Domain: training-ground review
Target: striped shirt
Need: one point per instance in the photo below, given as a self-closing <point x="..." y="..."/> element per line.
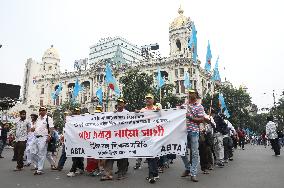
<point x="194" y="110"/>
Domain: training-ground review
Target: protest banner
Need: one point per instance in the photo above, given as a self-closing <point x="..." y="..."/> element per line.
<point x="115" y="135"/>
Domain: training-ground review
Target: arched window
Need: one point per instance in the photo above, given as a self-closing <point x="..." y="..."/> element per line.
<point x="178" y="44"/>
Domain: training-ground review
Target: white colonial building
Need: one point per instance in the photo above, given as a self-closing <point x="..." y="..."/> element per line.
<point x="42" y="78"/>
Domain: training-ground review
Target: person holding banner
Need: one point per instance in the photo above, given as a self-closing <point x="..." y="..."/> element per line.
<point x="195" y="116"/>
<point x="78" y="162"/>
<point x="152" y="162"/>
<point x="122" y="164"/>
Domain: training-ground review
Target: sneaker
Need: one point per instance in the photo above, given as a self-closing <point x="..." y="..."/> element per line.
<point x="152" y="180"/>
<point x="1" y="157"/>
<point x="17" y="169"/>
<point x="160" y="170"/>
<point x="220" y="165"/>
<point x="231" y="159"/>
<point x="121" y="177"/>
<point x="226" y="161"/>
<point x="185" y="174"/>
<point x="194" y="179"/>
<point x="71" y="174"/>
<point x="79" y="171"/>
<point x="137" y="166"/>
<point x="38" y="172"/>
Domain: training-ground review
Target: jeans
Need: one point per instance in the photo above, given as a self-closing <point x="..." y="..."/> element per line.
<point x="193" y="144"/>
<point x="62" y="159"/>
<point x="242" y="142"/>
<point x="2" y="145"/>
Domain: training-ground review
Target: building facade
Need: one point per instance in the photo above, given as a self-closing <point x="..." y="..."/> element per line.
<point x="42" y="78"/>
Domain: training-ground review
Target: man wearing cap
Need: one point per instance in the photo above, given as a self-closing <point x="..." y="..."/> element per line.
<point x="152" y="162"/>
<point x="122" y="164"/>
<point x="22" y="130"/>
<point x="42" y="131"/>
<point x="195" y="116"/>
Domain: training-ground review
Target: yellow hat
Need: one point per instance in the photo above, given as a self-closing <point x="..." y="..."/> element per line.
<point x="191" y="91"/>
<point x="120" y="100"/>
<point x="42" y="108"/>
<point x="149" y="95"/>
<point x="99" y="107"/>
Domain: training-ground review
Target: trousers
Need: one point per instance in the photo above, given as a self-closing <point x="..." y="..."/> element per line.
<point x="20" y="147"/>
<point x="218" y="146"/>
<point x="39" y="151"/>
<point x="192" y="144"/>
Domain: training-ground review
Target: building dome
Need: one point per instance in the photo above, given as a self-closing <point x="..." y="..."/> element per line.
<point x="180" y="21"/>
<point x="51" y="53"/>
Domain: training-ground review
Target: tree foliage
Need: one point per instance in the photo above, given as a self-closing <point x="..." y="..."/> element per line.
<point x="278" y="112"/>
<point x="135" y="86"/>
<point x="58" y="114"/>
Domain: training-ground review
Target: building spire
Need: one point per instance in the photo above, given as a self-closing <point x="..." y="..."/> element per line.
<point x="180" y="10"/>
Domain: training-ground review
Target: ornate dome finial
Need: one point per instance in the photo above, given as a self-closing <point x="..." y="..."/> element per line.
<point x="180" y="10"/>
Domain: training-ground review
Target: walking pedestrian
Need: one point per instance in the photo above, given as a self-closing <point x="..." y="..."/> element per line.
<point x="4" y="129"/>
<point x="271" y="132"/>
<point x="122" y="164"/>
<point x="195" y="116"/>
<point x="22" y="130"/>
<point x="43" y="130"/>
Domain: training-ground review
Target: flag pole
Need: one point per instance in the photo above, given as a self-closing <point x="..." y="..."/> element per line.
<point x="160" y="95"/>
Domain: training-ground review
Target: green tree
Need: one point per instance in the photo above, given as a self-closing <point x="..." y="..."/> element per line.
<point x="168" y="99"/>
<point x="58" y="114"/>
<point x="135" y="86"/>
<point x="278" y="112"/>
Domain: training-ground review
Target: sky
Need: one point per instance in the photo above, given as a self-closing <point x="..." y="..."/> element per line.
<point x="248" y="35"/>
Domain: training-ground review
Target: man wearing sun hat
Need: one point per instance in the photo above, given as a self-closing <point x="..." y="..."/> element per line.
<point x="152" y="162"/>
<point x="195" y="116"/>
<point x="122" y="164"/>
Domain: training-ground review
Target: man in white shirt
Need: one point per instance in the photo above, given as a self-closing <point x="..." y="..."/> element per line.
<point x="42" y="131"/>
<point x="122" y="164"/>
<point x="22" y="129"/>
<point x="271" y="132"/>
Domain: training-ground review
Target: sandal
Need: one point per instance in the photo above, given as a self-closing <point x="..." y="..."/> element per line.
<point x="105" y="178"/>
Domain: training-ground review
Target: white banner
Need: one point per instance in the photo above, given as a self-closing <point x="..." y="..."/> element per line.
<point x="126" y="134"/>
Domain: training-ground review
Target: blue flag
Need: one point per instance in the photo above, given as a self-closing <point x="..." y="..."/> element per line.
<point x="192" y="43"/>
<point x="208" y="58"/>
<point x="223" y="105"/>
<point x="55" y="94"/>
<point x="186" y="82"/>
<point x="216" y="74"/>
<point x="77" y="88"/>
<point x="111" y="81"/>
<point x="99" y="94"/>
<point x="160" y="80"/>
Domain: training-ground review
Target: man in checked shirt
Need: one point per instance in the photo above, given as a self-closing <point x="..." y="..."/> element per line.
<point x="195" y="116"/>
